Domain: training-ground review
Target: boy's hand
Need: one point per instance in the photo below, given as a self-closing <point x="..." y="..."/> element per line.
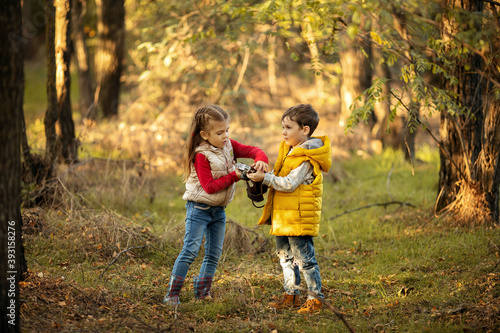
<point x="238" y="173"/>
<point x="260" y="166"/>
<point x="257" y="176"/>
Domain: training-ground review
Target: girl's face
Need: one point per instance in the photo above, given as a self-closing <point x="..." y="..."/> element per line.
<point x="218" y="134"/>
<point x="292" y="133"/>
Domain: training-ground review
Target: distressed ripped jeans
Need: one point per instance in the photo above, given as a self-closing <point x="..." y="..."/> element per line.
<point x="297" y="255"/>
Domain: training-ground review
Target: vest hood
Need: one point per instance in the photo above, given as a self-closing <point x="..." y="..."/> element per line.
<point x="318" y="149"/>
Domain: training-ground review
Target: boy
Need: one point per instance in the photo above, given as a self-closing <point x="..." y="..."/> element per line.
<point x="293" y="205"/>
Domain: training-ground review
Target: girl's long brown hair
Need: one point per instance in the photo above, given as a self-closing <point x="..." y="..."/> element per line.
<point x="201" y="122"/>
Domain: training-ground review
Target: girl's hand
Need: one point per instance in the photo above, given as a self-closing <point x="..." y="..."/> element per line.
<point x="238" y="173"/>
<point x="257" y="176"/>
<point x="260" y="166"/>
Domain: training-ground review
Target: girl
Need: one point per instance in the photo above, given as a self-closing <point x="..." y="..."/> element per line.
<point x="210" y="174"/>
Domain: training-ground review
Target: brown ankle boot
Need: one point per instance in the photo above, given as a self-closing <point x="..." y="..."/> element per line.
<point x="286" y="301"/>
<point x="310" y="306"/>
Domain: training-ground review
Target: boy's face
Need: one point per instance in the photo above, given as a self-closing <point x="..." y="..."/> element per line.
<point x="218" y="134"/>
<point x="293" y="134"/>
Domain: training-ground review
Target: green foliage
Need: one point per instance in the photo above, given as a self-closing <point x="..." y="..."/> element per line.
<point x="431" y="41"/>
<point x="372" y="95"/>
<point x="197" y="48"/>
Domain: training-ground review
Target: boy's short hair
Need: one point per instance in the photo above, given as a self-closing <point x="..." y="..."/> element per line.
<point x="304" y="115"/>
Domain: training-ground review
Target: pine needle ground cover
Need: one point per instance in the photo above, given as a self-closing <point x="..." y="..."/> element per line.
<point x="100" y="257"/>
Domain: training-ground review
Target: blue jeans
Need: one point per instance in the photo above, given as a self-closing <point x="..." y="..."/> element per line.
<point x="201" y="220"/>
<point x="297" y="255"/>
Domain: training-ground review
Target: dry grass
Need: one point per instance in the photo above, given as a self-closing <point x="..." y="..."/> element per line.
<point x="470" y="208"/>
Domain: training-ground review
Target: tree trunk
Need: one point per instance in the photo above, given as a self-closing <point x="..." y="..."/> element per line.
<point x="316" y="65"/>
<point x="63" y="80"/>
<point x="356" y="73"/>
<point x="410" y="128"/>
<point x="51" y="114"/>
<point x="382" y="109"/>
<point x="271" y="64"/>
<point x="356" y="78"/>
<point x="86" y="101"/>
<point x="469" y="180"/>
<point x="109" y="57"/>
<point x="413" y="107"/>
<point x="459" y="134"/>
<point x="489" y="160"/>
<point x="11" y="109"/>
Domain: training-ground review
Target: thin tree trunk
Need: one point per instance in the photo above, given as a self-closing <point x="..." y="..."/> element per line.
<point x="51" y="114"/>
<point x="271" y="64"/>
<point x="410" y="123"/>
<point x="11" y="109"/>
<point x="63" y="80"/>
<point x="382" y="109"/>
<point x="315" y="60"/>
<point x="86" y="100"/>
<point x="109" y="57"/>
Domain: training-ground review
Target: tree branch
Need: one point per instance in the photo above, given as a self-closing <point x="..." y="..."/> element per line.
<point x="492" y="2"/>
<point x="243" y="70"/>
<point x="119" y="254"/>
<point x="433" y="137"/>
<point x="339" y="314"/>
<point x="84" y="294"/>
<point x="384" y="204"/>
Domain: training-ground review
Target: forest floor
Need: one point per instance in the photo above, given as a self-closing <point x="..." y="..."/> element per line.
<point x="100" y="256"/>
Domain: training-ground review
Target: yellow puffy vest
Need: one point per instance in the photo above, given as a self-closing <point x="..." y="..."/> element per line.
<point x="298" y="213"/>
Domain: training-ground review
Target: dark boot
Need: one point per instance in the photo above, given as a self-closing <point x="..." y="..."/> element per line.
<point x="174" y="288"/>
<point x="202" y="287"/>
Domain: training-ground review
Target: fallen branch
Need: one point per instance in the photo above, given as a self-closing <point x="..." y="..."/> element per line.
<point x="84" y="294"/>
<point x="384" y="204"/>
<point x="149" y="327"/>
<point x="118" y="255"/>
<point x="339" y="314"/>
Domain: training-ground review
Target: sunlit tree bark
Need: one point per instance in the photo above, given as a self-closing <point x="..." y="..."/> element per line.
<point x="58" y="83"/>
<point x="11" y="110"/>
<point x="315" y="60"/>
<point x="271" y="64"/>
<point x="469" y="176"/>
<point x="356" y="71"/>
<point x="109" y="57"/>
<point x="355" y="59"/>
<point x="63" y="80"/>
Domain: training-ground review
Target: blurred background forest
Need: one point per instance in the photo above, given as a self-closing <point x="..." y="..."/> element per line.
<point x="254" y="59"/>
